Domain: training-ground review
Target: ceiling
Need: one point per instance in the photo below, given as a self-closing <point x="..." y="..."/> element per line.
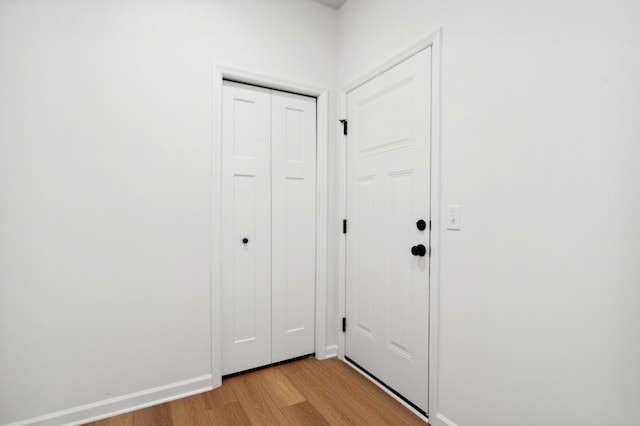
<point x="332" y="3"/>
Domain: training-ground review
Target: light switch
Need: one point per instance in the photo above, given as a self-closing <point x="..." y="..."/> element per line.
<point x="452" y="218"/>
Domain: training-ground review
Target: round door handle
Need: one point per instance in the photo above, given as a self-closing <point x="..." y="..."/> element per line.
<point x="418" y="250"/>
<point x="245" y="240"/>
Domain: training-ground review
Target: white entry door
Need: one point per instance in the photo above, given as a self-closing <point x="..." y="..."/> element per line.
<point x="268" y="231"/>
<point x="388" y="194"/>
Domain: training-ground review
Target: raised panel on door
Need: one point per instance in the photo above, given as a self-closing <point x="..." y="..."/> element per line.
<point x="388" y="191"/>
<point x="293" y="162"/>
<point x="246" y="230"/>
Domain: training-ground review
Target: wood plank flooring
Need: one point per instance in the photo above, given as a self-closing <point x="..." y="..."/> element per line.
<point x="303" y="392"/>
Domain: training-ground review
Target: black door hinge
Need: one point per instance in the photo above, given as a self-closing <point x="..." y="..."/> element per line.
<point x="345" y="126"/>
<point x="344" y="324"/>
<point x="344" y="226"/>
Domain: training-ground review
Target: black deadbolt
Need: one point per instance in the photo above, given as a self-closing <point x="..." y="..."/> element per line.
<point x="421" y="224"/>
<point x="245" y="240"/>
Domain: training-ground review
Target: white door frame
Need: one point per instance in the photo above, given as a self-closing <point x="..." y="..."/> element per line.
<point x="434" y="41"/>
<point x="221" y="72"/>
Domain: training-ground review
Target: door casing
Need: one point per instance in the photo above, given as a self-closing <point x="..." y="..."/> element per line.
<point x="220" y="73"/>
<point x="433" y="40"/>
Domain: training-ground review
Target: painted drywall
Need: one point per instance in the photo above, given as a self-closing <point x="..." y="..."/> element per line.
<point x="105" y="185"/>
<point x="539" y="290"/>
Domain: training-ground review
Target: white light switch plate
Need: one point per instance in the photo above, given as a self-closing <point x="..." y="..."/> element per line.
<point x="453" y="217"/>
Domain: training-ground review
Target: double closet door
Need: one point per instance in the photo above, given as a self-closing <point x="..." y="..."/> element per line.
<point x="268" y="230"/>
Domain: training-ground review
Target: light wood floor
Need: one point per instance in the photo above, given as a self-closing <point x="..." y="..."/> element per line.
<point x="304" y="392"/>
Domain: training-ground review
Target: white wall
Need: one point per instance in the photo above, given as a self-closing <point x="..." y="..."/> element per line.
<point x="105" y="185"/>
<point x="540" y="128"/>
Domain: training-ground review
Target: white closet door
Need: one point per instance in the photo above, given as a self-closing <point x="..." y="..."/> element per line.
<point x="293" y="171"/>
<point x="246" y="234"/>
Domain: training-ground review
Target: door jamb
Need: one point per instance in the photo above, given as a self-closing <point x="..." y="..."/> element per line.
<point x="433" y="40"/>
<point x="221" y="72"/>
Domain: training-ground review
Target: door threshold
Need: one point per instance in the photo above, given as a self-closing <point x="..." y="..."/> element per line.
<point x="262" y="367"/>
<point x="423" y="415"/>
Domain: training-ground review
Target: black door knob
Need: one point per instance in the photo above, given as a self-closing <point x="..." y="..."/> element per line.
<point x="245" y="240"/>
<point x="421" y="225"/>
<point x="418" y="250"/>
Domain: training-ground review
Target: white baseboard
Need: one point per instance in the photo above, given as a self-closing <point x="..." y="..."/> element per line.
<point x="331" y="351"/>
<point x="444" y="421"/>
<point x="122" y="404"/>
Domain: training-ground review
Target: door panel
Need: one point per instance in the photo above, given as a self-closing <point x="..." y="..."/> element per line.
<point x="244" y="266"/>
<point x="363" y="226"/>
<point x="388" y="184"/>
<point x="400" y="265"/>
<point x="246" y="212"/>
<point x="293" y="219"/>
